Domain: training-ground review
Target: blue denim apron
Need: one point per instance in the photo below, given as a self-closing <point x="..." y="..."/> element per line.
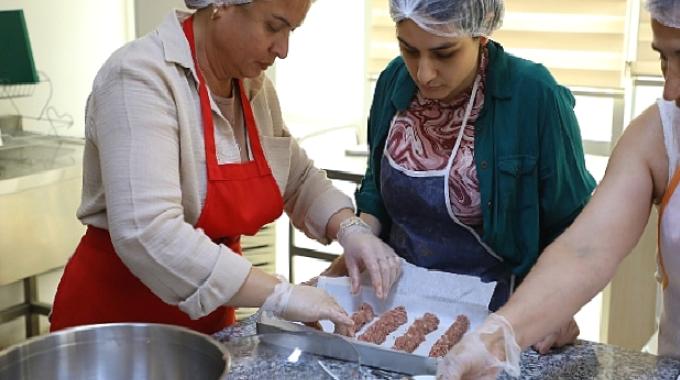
<point x="425" y="231"/>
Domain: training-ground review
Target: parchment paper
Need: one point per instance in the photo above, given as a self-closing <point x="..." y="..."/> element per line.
<point x="419" y="290"/>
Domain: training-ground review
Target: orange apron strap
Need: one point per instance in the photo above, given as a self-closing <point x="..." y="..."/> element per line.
<point x="671" y="188"/>
<point x="664" y="202"/>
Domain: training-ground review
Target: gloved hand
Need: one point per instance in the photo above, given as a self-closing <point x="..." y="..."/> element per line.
<point x="567" y="334"/>
<point x="304" y="304"/>
<point x="363" y="249"/>
<point x="483" y="353"/>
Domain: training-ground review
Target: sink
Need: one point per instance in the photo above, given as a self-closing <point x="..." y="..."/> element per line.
<point x="40" y="187"/>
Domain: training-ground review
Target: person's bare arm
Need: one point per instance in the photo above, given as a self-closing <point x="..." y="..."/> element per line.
<point x="574" y="268"/>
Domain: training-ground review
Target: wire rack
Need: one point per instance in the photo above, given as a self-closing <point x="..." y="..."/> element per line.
<point x="8" y="91"/>
<point x="48" y="113"/>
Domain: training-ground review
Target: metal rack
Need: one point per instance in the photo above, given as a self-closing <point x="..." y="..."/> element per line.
<point x="31" y="308"/>
<point x="11" y="91"/>
<point x="312" y="253"/>
<point x="48" y="114"/>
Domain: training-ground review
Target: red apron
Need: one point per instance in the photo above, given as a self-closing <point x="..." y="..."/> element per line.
<point x="98" y="288"/>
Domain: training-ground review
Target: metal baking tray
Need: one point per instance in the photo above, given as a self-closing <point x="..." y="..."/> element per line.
<point x="369" y="354"/>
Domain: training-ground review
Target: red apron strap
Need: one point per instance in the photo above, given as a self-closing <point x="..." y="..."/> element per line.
<point x="206" y="111"/>
<point x="258" y="153"/>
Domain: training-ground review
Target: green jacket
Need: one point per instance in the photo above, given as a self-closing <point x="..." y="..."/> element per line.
<point x="528" y="154"/>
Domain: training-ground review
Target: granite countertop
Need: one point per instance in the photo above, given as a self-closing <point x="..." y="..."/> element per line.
<point x="584" y="360"/>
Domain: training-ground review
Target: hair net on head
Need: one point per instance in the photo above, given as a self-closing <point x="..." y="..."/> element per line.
<point x="666" y="12"/>
<point x="198" y="4"/>
<point x="451" y="18"/>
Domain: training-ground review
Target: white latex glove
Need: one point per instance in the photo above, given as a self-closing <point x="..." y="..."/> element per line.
<point x="476" y="356"/>
<point x="304" y="304"/>
<point x="363" y="249"/>
<point x="567" y="334"/>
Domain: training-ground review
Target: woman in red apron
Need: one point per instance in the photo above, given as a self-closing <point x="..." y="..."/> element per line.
<point x="98" y="287"/>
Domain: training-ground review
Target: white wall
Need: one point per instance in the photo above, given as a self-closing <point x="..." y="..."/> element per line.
<point x="71" y="39"/>
<point x="322" y="82"/>
<point x="150" y="13"/>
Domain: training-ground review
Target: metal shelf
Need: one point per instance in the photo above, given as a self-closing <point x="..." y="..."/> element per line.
<point x="31" y="308"/>
<point x="297" y="251"/>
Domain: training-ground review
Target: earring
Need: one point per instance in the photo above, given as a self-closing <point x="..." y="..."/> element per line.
<point x="216" y="9"/>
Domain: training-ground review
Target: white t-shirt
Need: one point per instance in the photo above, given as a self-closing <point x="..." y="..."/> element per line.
<point x="669" y="228"/>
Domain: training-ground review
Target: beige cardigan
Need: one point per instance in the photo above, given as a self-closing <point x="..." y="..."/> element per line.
<point x="145" y="174"/>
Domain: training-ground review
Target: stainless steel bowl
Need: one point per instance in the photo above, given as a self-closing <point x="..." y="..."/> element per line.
<point x="118" y="351"/>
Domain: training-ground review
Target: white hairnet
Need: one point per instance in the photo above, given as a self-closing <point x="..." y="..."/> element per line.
<point x="666" y="12"/>
<point x="451" y="18"/>
<point x="198" y="4"/>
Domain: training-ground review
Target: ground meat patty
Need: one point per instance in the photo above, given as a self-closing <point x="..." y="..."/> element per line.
<point x="452" y="335"/>
<point x="360" y="318"/>
<point x="385" y="325"/>
<point x="416" y="333"/>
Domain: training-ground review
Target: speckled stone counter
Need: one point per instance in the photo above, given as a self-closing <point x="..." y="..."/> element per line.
<point x="585" y="360"/>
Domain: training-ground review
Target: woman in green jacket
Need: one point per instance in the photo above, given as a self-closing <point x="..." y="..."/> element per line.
<point x="476" y="162"/>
